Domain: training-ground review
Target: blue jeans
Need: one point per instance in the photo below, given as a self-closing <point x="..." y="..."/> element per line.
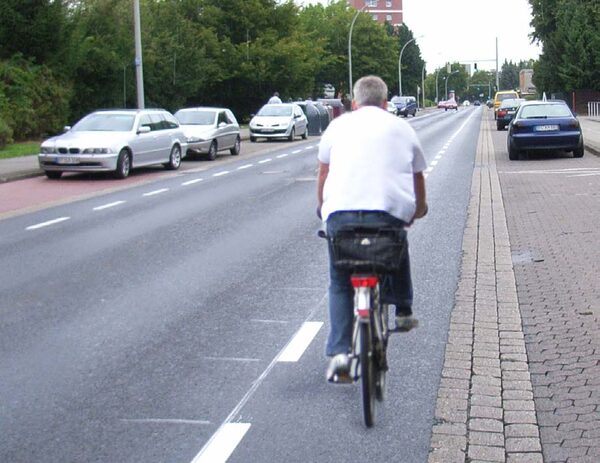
<point x="396" y="288"/>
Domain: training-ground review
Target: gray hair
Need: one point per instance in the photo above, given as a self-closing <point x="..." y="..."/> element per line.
<point x="370" y="91"/>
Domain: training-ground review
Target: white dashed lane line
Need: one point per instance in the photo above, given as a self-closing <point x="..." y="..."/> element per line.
<point x="245" y="166"/>
<point x="48" y="223"/>
<point x="156" y="192"/>
<point x="222" y="444"/>
<point x="296" y="151"/>
<point x="109" y="205"/>
<point x="219" y="174"/>
<point x="191" y="182"/>
<point x="265" y="160"/>
<point x="301" y="340"/>
<point x="284" y="155"/>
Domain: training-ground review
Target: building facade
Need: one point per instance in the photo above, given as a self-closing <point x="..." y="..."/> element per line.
<point x="381" y="10"/>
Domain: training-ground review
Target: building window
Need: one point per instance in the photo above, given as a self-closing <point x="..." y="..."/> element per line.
<point x="388" y="3"/>
<point x="388" y="17"/>
<point x="371" y="3"/>
<point x="375" y="17"/>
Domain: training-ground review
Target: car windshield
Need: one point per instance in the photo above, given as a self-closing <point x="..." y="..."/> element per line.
<point x="275" y="110"/>
<point x="506" y="96"/>
<point x="196" y="117"/>
<point x="545" y="111"/>
<point x="105" y="123"/>
<point x="400" y="100"/>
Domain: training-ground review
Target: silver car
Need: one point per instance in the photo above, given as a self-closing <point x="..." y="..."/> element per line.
<point x="279" y="121"/>
<point x="117" y="141"/>
<point x="209" y="130"/>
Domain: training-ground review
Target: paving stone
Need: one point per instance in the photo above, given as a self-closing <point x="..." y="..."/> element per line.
<point x="478" y="411"/>
<point x="486" y="425"/>
<point x="515" y="417"/>
<point x="446" y="456"/>
<point x="525" y="458"/>
<point x="523" y="444"/>
<point x="485" y="453"/>
<point x="521" y="430"/>
<point x="445" y="441"/>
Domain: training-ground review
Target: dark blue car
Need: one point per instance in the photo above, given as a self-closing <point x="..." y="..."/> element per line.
<point x="544" y="125"/>
<point x="405" y="105"/>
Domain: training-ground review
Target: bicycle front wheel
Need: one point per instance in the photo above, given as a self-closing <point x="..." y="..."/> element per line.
<point x="367" y="374"/>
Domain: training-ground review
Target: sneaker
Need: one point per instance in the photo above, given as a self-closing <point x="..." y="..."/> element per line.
<point x="406" y="322"/>
<point x="339" y="369"/>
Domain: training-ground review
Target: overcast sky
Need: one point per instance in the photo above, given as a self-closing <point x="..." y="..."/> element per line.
<point x="466" y="30"/>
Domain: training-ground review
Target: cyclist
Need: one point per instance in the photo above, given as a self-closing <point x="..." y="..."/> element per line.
<point x="274" y="99"/>
<point x="370" y="170"/>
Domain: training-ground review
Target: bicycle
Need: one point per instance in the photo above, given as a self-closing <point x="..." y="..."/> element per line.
<point x="368" y="251"/>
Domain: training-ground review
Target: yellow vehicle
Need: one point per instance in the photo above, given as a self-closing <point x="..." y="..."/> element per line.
<point x="501" y="96"/>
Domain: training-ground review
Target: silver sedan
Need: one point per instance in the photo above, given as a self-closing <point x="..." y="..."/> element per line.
<point x="210" y="130"/>
<point x="117" y="141"/>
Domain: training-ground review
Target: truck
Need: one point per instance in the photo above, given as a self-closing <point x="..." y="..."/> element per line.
<point x="526" y="86"/>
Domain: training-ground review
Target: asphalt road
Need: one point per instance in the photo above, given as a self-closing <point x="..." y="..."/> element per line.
<point x="153" y="324"/>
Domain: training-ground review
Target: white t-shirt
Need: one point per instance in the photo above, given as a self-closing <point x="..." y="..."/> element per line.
<point x="372" y="156"/>
<point x="274" y="100"/>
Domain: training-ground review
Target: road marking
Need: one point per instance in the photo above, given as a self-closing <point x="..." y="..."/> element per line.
<point x="156" y="192"/>
<point x="106" y="206"/>
<point x="223" y="172"/>
<point x="231" y="359"/>
<point x="429" y="169"/>
<point x="191" y="182"/>
<point x="265" y="160"/>
<point x="49" y="222"/>
<point x="282" y="155"/>
<point x="308" y="148"/>
<point x="258" y="320"/>
<point x="296" y="151"/>
<point x="245" y="166"/>
<point x="301" y="340"/>
<point x="426" y="174"/>
<point x="433" y="163"/>
<point x="440" y="152"/>
<point x="222" y="444"/>
<point x="163" y="421"/>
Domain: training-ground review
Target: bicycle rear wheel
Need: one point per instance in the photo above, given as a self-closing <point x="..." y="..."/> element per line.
<point x="367" y="374"/>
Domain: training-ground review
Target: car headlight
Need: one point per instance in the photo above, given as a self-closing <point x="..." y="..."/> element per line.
<point x="194" y="139"/>
<point x="48" y="149"/>
<point x="96" y="151"/>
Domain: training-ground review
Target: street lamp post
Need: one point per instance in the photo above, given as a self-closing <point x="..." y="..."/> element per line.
<point x="139" y="74"/>
<point x="423" y="83"/>
<point x="350" y="48"/>
<point x="437" y="97"/>
<point x="400" y="64"/>
<point x="447" y="79"/>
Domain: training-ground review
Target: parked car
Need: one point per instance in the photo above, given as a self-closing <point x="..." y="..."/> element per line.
<point x="441" y="104"/>
<point x="405" y="105"/>
<point x="117" y="141"/>
<point x="210" y="130"/>
<point x="502" y="95"/>
<point x="544" y="125"/>
<point x="477" y="103"/>
<point x="506" y="112"/>
<point x="279" y="121"/>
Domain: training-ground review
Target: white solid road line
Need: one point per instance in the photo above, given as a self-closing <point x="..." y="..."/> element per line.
<point x="163" y="421"/>
<point x="106" y="206"/>
<point x="156" y="192"/>
<point x="298" y="344"/>
<point x="191" y="182"/>
<point x="222" y="444"/>
<point x="49" y="222"/>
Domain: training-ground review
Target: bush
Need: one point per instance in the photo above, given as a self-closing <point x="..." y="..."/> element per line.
<point x="6" y="133"/>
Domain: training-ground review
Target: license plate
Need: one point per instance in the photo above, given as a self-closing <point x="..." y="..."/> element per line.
<point x="268" y="130"/>
<point x="511" y="112"/>
<point x="67" y="160"/>
<point x="546" y="128"/>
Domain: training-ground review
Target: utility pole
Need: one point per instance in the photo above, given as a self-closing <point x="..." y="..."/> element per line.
<point x="139" y="73"/>
<point x="497" y="74"/>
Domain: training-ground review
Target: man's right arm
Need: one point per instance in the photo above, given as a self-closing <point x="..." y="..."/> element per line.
<point x="420" y="195"/>
<point x="323" y="172"/>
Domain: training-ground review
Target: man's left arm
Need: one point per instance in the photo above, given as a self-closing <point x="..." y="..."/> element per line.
<point x="420" y="195"/>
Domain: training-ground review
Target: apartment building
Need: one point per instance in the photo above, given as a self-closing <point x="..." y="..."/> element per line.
<point x="381" y="10"/>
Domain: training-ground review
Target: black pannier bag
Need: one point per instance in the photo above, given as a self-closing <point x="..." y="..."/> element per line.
<point x="368" y="247"/>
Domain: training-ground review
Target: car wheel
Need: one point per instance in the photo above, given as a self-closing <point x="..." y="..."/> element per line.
<point x="513" y="154"/>
<point x="53" y="174"/>
<point x="305" y="134"/>
<point x="253" y="139"/>
<point x="292" y="134"/>
<point x="235" y="150"/>
<point x="174" y="158"/>
<point x="578" y="152"/>
<point x="123" y="164"/>
<point x="212" y="151"/>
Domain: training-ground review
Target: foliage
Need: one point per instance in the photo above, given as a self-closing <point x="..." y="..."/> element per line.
<point x="568" y="30"/>
<point x="19" y="149"/>
<point x="232" y="53"/>
<point x="5" y="133"/>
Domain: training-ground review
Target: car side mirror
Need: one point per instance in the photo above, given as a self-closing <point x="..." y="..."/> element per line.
<point x="143" y="129"/>
<point x="222" y="124"/>
<point x="66" y="128"/>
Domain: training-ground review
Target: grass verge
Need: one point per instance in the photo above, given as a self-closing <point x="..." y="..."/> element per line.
<point x="19" y="149"/>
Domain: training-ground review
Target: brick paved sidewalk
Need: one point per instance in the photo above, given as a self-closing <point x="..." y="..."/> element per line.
<point x="485" y="409"/>
<point x="552" y="207"/>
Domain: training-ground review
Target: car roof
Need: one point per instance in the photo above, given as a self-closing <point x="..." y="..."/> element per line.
<point x="202" y="108"/>
<point x="542" y="102"/>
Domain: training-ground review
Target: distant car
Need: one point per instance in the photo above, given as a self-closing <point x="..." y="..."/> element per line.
<point x="466" y="103"/>
<point x="117" y="141"/>
<point x="451" y="104"/>
<point x="544" y="125"/>
<point x="405" y="105"/>
<point x="210" y="130"/>
<point x="391" y="108"/>
<point x="441" y="104"/>
<point x="279" y="121"/>
<point x="477" y="103"/>
<point x="501" y="96"/>
<point x="506" y="112"/>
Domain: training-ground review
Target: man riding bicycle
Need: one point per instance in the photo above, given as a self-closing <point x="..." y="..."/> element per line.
<point x="371" y="167"/>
